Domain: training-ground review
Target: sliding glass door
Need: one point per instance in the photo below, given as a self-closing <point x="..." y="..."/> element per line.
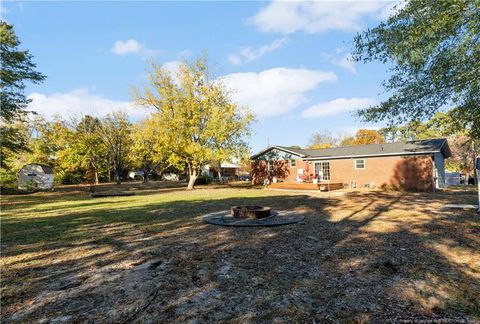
<point x="322" y="170"/>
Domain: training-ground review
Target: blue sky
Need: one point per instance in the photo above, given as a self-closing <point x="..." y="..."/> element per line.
<point x="288" y="61"/>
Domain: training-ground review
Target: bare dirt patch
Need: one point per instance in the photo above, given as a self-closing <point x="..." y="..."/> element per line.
<point x="361" y="256"/>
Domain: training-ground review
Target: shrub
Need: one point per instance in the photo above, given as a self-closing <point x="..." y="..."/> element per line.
<point x="203" y="180"/>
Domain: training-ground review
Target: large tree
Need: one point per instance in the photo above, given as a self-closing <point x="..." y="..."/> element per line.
<point x="16" y="68"/>
<point x="147" y="152"/>
<point x="323" y="139"/>
<point x="434" y="49"/>
<point x="115" y="134"/>
<point x="196" y="114"/>
<point x="92" y="149"/>
<point x="362" y="137"/>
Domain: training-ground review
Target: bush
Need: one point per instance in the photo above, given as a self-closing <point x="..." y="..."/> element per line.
<point x="69" y="178"/>
<point x="203" y="180"/>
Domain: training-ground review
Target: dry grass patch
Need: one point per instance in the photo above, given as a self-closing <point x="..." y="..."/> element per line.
<point x="360" y="256"/>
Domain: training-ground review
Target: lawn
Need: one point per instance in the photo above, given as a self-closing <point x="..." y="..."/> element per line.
<point x="358" y="256"/>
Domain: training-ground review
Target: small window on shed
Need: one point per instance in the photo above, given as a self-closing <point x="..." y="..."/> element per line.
<point x="359" y="164"/>
<point x="293" y="163"/>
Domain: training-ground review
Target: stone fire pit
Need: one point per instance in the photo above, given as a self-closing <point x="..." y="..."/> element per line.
<point x="246" y="216"/>
<point x="250" y="211"/>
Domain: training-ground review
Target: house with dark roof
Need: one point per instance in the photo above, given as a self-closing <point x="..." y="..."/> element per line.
<point x="413" y="165"/>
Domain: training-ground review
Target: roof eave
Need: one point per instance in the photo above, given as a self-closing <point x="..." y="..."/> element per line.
<point x="253" y="157"/>
<point x="368" y="155"/>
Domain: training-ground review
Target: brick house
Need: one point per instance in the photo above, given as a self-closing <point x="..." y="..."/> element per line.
<point x="414" y="165"/>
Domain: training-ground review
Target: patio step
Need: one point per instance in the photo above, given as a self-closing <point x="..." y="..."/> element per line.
<point x="293" y="186"/>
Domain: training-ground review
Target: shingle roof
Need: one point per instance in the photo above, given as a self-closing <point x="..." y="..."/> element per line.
<point x="46" y="168"/>
<point x="398" y="148"/>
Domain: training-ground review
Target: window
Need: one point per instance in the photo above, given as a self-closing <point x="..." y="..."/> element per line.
<point x="359" y="164"/>
<point x="293" y="163"/>
<point x="322" y="169"/>
<point x="270" y="165"/>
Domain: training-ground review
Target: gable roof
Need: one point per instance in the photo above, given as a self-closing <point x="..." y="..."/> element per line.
<point x="417" y="147"/>
<point x="46" y="168"/>
<point x="294" y="151"/>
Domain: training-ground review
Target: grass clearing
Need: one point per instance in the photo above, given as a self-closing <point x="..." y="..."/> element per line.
<point x="360" y="256"/>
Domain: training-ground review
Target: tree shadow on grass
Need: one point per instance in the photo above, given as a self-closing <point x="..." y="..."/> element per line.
<point x="362" y="257"/>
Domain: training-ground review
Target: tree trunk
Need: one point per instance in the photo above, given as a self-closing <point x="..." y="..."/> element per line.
<point x="219" y="175"/>
<point x="96" y="177"/>
<point x="145" y="176"/>
<point x="193" y="176"/>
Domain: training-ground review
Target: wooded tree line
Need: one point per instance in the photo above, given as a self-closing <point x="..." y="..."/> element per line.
<point x="194" y="123"/>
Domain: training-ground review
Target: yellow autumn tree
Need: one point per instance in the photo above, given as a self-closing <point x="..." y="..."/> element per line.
<point x="198" y="120"/>
<point x="362" y="137"/>
<point x="147" y="151"/>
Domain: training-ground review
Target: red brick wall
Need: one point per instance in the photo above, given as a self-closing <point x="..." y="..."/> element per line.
<point x="410" y="173"/>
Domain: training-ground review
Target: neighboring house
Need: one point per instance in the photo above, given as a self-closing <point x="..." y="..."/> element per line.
<point x="227" y="170"/>
<point x="35" y="176"/>
<point x="414" y="165"/>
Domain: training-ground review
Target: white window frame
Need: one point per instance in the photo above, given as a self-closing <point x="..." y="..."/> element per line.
<point x="364" y="164"/>
<point x="270" y="165"/>
<point x="325" y="177"/>
<point x="294" y="165"/>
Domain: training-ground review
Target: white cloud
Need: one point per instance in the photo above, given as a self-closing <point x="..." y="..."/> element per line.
<point x="318" y="16"/>
<point x="234" y="59"/>
<point x="276" y="91"/>
<point x="132" y="46"/>
<point x="248" y="54"/>
<point x="346" y="62"/>
<point x="337" y="106"/>
<point x="80" y="102"/>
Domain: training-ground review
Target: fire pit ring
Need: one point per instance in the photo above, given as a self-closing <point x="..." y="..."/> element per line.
<point x="255" y="216"/>
<point x="250" y="211"/>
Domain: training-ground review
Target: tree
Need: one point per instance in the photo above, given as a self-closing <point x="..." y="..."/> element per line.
<point x="322" y="139"/>
<point x="91" y="148"/>
<point x="434" y="47"/>
<point x="197" y="117"/>
<point x="115" y="133"/>
<point x="147" y="152"/>
<point x="464" y="151"/>
<point x="16" y="68"/>
<point x="363" y="137"/>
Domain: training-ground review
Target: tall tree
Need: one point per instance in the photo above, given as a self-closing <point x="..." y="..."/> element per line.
<point x="362" y="137"/>
<point x="196" y="114"/>
<point x="115" y="133"/>
<point x="90" y="145"/>
<point x="322" y="139"/>
<point x="16" y="68"/>
<point x="147" y="151"/>
<point x="434" y="47"/>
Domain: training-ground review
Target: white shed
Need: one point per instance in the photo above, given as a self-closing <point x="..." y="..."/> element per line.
<point x="36" y="176"/>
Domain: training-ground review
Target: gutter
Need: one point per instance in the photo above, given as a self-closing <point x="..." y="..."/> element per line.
<point x="333" y="157"/>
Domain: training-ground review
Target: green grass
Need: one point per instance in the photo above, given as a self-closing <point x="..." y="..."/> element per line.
<point x="149" y="257"/>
